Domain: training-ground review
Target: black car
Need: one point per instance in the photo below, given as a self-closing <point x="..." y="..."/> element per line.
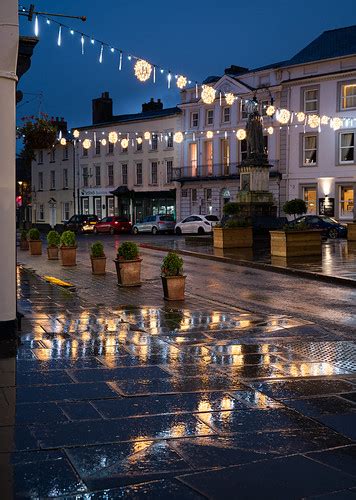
<point x="81" y="223"/>
<point x="330" y="227"/>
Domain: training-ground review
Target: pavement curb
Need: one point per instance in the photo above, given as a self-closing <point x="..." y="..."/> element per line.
<point x="335" y="280"/>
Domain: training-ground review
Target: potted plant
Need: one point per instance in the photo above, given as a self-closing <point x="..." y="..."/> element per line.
<point x="23" y="240"/>
<point x="128" y="264"/>
<point x="53" y="241"/>
<point x="34" y="241"/>
<point x="98" y="258"/>
<point x="295" y="240"/>
<point x="68" y="248"/>
<point x="233" y="232"/>
<point x="173" y="280"/>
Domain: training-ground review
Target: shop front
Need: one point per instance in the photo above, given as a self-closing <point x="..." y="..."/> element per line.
<point x="98" y="201"/>
<point x="330" y="197"/>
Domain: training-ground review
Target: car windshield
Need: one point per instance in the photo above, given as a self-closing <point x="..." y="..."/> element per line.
<point x="212" y="217"/>
<point x="169" y="218"/>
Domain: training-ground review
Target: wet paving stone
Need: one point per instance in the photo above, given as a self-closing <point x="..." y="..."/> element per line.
<point x="55" y="364"/>
<point x="350" y="397"/>
<point x="287" y="389"/>
<point x="256" y="399"/>
<point x="241" y="359"/>
<point x="174" y="403"/>
<point x="79" y="411"/>
<point x="110" y="431"/>
<point x="43" y="378"/>
<point x="17" y="438"/>
<point x="103" y="374"/>
<point x="263" y="479"/>
<point x="315" y="406"/>
<point x="75" y="392"/>
<point x="345" y="423"/>
<point x="38" y="412"/>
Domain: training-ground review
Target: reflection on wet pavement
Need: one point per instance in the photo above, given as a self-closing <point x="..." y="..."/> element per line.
<point x="158" y="402"/>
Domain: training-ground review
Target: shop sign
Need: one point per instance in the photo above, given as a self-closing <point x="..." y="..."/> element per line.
<point x="327" y="206"/>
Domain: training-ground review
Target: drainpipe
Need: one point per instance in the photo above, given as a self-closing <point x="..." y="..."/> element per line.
<point x="9" y="40"/>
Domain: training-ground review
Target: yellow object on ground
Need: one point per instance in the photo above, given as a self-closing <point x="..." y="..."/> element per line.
<point x="57" y="281"/>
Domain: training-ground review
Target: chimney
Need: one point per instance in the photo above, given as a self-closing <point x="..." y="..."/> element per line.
<point x="102" y="109"/>
<point x="235" y="70"/>
<point x="152" y="105"/>
<point x="60" y="124"/>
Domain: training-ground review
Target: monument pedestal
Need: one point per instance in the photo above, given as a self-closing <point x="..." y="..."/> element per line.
<point x="254" y="198"/>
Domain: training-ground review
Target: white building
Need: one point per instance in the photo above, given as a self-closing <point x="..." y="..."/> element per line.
<point x="133" y="174"/>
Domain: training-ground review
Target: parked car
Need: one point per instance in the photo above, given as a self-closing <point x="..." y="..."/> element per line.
<point x="154" y="224"/>
<point x="330" y="227"/>
<point x="199" y="224"/>
<point x="81" y="223"/>
<point x="113" y="224"/>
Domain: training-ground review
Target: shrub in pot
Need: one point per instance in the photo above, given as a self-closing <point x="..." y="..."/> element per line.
<point x="234" y="231"/>
<point x="53" y="242"/>
<point x="34" y="241"/>
<point x="68" y="246"/>
<point x="128" y="264"/>
<point x="98" y="258"/>
<point x="173" y="280"/>
<point x="23" y="240"/>
<point x="295" y="207"/>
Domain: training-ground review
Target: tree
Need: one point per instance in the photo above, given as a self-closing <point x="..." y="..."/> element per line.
<point x="295" y="207"/>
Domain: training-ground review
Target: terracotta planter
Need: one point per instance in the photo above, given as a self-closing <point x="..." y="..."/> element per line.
<point x="98" y="265"/>
<point x="52" y="253"/>
<point x="295" y="243"/>
<point x="35" y="247"/>
<point x="234" y="237"/>
<point x="128" y="272"/>
<point x="69" y="256"/>
<point x="173" y="287"/>
<point x="351" y="231"/>
<point x="24" y="245"/>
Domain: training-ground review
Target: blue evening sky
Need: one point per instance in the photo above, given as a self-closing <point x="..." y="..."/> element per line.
<point x="196" y="38"/>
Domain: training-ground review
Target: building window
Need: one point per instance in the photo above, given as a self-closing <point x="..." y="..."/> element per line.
<point x="40" y="181"/>
<point x="170" y="140"/>
<point x="309" y="195"/>
<point x="348" y="96"/>
<point x="65" y="178"/>
<point x="309" y="150"/>
<point x="85" y="151"/>
<point x="209" y="117"/>
<point x="52" y="157"/>
<point x="85" y="205"/>
<point x="41" y="212"/>
<point x="194" y="195"/>
<point x="124" y="174"/>
<point x="347" y="147"/>
<point x="154" y="142"/>
<point x="97" y="176"/>
<point x="208" y="194"/>
<point x="52" y="179"/>
<point x="97" y="147"/>
<point x="193" y="158"/>
<point x="225" y="156"/>
<point x="111" y="148"/>
<point x="346" y="202"/>
<point x="40" y="157"/>
<point x="194" y="120"/>
<point x="154" y="177"/>
<point x="184" y="193"/>
<point x="169" y="166"/>
<point x="139" y="174"/>
<point x="139" y="144"/>
<point x="226" y="115"/>
<point x="66" y="210"/>
<point x="111" y="175"/>
<point x="110" y="208"/>
<point x="243" y="150"/>
<point x="311" y="100"/>
<point x="65" y="153"/>
<point x="85" y="177"/>
<point x="208" y="157"/>
<point x="244" y="113"/>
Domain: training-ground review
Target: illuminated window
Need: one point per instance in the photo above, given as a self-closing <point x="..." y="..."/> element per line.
<point x="208" y="156"/>
<point x="346" y="202"/>
<point x="225" y="155"/>
<point x="348" y="96"/>
<point x="309" y="195"/>
<point x="193" y="158"/>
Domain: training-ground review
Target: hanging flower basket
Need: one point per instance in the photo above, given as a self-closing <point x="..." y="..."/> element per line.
<point x="37" y="133"/>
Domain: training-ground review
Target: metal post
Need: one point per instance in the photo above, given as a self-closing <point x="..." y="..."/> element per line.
<point x="9" y="40"/>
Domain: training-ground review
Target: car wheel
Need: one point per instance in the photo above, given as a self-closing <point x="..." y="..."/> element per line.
<point x="112" y="230"/>
<point x="154" y="230"/>
<point x="201" y="230"/>
<point x="333" y="233"/>
<point x="135" y="230"/>
<point x="178" y="231"/>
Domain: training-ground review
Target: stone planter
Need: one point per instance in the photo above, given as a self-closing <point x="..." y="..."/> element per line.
<point x="52" y="253"/>
<point x="98" y="265"/>
<point x="351" y="231"/>
<point x="35" y="247"/>
<point x="128" y="272"/>
<point x="69" y="256"/>
<point x="173" y="287"/>
<point x="295" y="243"/>
<point x="24" y="245"/>
<point x="234" y="237"/>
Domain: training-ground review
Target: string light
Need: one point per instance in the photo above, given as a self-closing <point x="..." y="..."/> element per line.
<point x="241" y="134"/>
<point x="113" y="137"/>
<point x="181" y="82"/>
<point x="283" y="116"/>
<point x="82" y="42"/>
<point x="103" y="142"/>
<point x="71" y="32"/>
<point x="147" y="136"/>
<point x="154" y="74"/>
<point x="270" y="130"/>
<point x="270" y="111"/>
<point x="139" y="140"/>
<point x="59" y="39"/>
<point x="86" y="143"/>
<point x="313" y="121"/>
<point x="92" y="41"/>
<point x="178" y="137"/>
<point x="169" y="79"/>
<point x="300" y="116"/>
<point x="36" y="26"/>
<point x="208" y="94"/>
<point x="76" y="134"/>
<point x="124" y="143"/>
<point x="120" y="61"/>
<point x="143" y="70"/>
<point x="101" y="53"/>
<point x="48" y="21"/>
<point x="336" y="123"/>
<point x="209" y="134"/>
<point x="229" y="98"/>
<point x="324" y="120"/>
<point x="63" y="141"/>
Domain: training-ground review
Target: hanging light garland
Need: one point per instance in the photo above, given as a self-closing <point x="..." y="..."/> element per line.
<point x="76" y="134"/>
<point x="283" y="116"/>
<point x="209" y="134"/>
<point x="241" y="134"/>
<point x="86" y="144"/>
<point x="313" y="121"/>
<point x="181" y="82"/>
<point x="301" y="116"/>
<point x="178" y="137"/>
<point x="208" y="94"/>
<point x="147" y="136"/>
<point x="139" y="140"/>
<point x="113" y="137"/>
<point x="143" y="70"/>
<point x="229" y="98"/>
<point x="336" y="123"/>
<point x="270" y="111"/>
<point x="103" y="142"/>
<point x="324" y="120"/>
<point x="124" y="143"/>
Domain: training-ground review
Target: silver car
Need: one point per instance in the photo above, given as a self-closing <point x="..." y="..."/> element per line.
<point x="155" y="224"/>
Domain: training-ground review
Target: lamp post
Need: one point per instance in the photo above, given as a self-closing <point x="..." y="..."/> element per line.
<point x="9" y="40"/>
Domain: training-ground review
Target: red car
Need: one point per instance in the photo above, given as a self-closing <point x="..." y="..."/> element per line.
<point x="113" y="224"/>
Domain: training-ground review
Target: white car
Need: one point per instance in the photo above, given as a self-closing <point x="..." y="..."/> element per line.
<point x="196" y="224"/>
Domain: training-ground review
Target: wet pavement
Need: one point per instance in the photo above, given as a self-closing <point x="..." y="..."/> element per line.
<point x="115" y="394"/>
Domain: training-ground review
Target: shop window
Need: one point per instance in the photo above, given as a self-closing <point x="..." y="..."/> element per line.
<point x="347" y="147"/>
<point x="309" y="195"/>
<point x="346" y="202"/>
